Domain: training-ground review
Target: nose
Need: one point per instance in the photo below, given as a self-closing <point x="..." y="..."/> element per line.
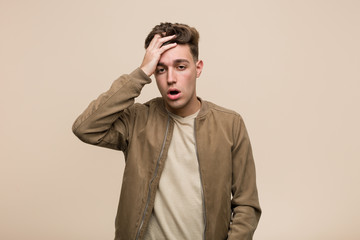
<point x="171" y="77"/>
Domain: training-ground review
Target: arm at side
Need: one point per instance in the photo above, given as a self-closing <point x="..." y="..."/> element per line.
<point x="245" y="203"/>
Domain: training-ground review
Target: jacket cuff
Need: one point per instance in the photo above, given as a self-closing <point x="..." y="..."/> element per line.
<point x="140" y="74"/>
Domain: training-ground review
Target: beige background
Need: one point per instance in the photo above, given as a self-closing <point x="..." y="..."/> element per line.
<point x="291" y="68"/>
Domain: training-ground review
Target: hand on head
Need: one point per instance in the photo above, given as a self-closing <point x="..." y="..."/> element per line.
<point x="154" y="51"/>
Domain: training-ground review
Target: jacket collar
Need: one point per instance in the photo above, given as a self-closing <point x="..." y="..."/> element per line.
<point x="204" y="109"/>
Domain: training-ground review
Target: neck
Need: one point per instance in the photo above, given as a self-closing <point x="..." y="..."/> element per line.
<point x="186" y="112"/>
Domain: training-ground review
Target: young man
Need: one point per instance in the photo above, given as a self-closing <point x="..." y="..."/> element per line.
<point x="189" y="170"/>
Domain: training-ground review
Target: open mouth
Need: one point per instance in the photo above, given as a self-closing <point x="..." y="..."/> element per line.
<point x="174" y="92"/>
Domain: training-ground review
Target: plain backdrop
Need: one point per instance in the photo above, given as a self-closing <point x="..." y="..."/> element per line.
<point x="290" y="68"/>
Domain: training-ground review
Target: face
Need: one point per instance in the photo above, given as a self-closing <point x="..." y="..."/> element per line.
<point x="175" y="76"/>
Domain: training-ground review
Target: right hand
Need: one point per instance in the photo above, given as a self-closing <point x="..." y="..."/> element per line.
<point x="154" y="51"/>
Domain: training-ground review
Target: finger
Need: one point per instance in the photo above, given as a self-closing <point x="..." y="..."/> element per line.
<point x="154" y="40"/>
<point x="167" y="38"/>
<point x="166" y="47"/>
<point x="159" y="41"/>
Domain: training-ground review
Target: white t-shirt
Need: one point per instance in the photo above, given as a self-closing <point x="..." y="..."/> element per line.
<point x="178" y="208"/>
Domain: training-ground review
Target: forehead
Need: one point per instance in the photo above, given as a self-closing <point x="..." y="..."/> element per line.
<point x="181" y="51"/>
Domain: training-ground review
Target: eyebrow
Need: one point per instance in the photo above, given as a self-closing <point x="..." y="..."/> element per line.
<point x="175" y="62"/>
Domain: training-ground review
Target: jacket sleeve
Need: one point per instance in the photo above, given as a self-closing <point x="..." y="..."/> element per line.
<point x="245" y="203"/>
<point x="105" y="122"/>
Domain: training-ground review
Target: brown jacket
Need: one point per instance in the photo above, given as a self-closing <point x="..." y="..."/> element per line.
<point x="143" y="132"/>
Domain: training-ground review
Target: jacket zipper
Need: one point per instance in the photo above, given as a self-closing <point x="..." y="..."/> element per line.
<point x="153" y="178"/>
<point x="201" y="182"/>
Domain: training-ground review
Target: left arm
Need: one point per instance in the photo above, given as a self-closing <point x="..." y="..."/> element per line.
<point x="245" y="202"/>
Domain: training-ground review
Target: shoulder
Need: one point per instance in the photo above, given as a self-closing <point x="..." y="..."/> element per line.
<point x="216" y="110"/>
<point x="225" y="119"/>
<point x="155" y="105"/>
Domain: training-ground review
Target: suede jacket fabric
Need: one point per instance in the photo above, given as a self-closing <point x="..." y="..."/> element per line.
<point x="143" y="132"/>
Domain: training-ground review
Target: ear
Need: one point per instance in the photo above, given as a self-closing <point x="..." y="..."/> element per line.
<point x="199" y="67"/>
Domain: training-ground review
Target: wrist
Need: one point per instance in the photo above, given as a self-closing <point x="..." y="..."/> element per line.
<point x="146" y="71"/>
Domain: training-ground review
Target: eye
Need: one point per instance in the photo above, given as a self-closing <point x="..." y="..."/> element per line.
<point x="181" y="67"/>
<point x="160" y="70"/>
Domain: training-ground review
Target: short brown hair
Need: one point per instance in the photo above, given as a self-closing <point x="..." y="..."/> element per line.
<point x="184" y="35"/>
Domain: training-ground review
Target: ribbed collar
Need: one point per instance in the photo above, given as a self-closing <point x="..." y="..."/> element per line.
<point x="203" y="109"/>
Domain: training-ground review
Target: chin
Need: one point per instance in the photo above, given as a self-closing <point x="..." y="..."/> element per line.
<point x="173" y="106"/>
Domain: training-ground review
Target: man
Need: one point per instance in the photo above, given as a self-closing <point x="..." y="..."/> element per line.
<point x="189" y="170"/>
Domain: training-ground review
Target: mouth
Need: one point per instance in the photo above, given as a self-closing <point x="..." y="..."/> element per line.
<point x="173" y="93"/>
